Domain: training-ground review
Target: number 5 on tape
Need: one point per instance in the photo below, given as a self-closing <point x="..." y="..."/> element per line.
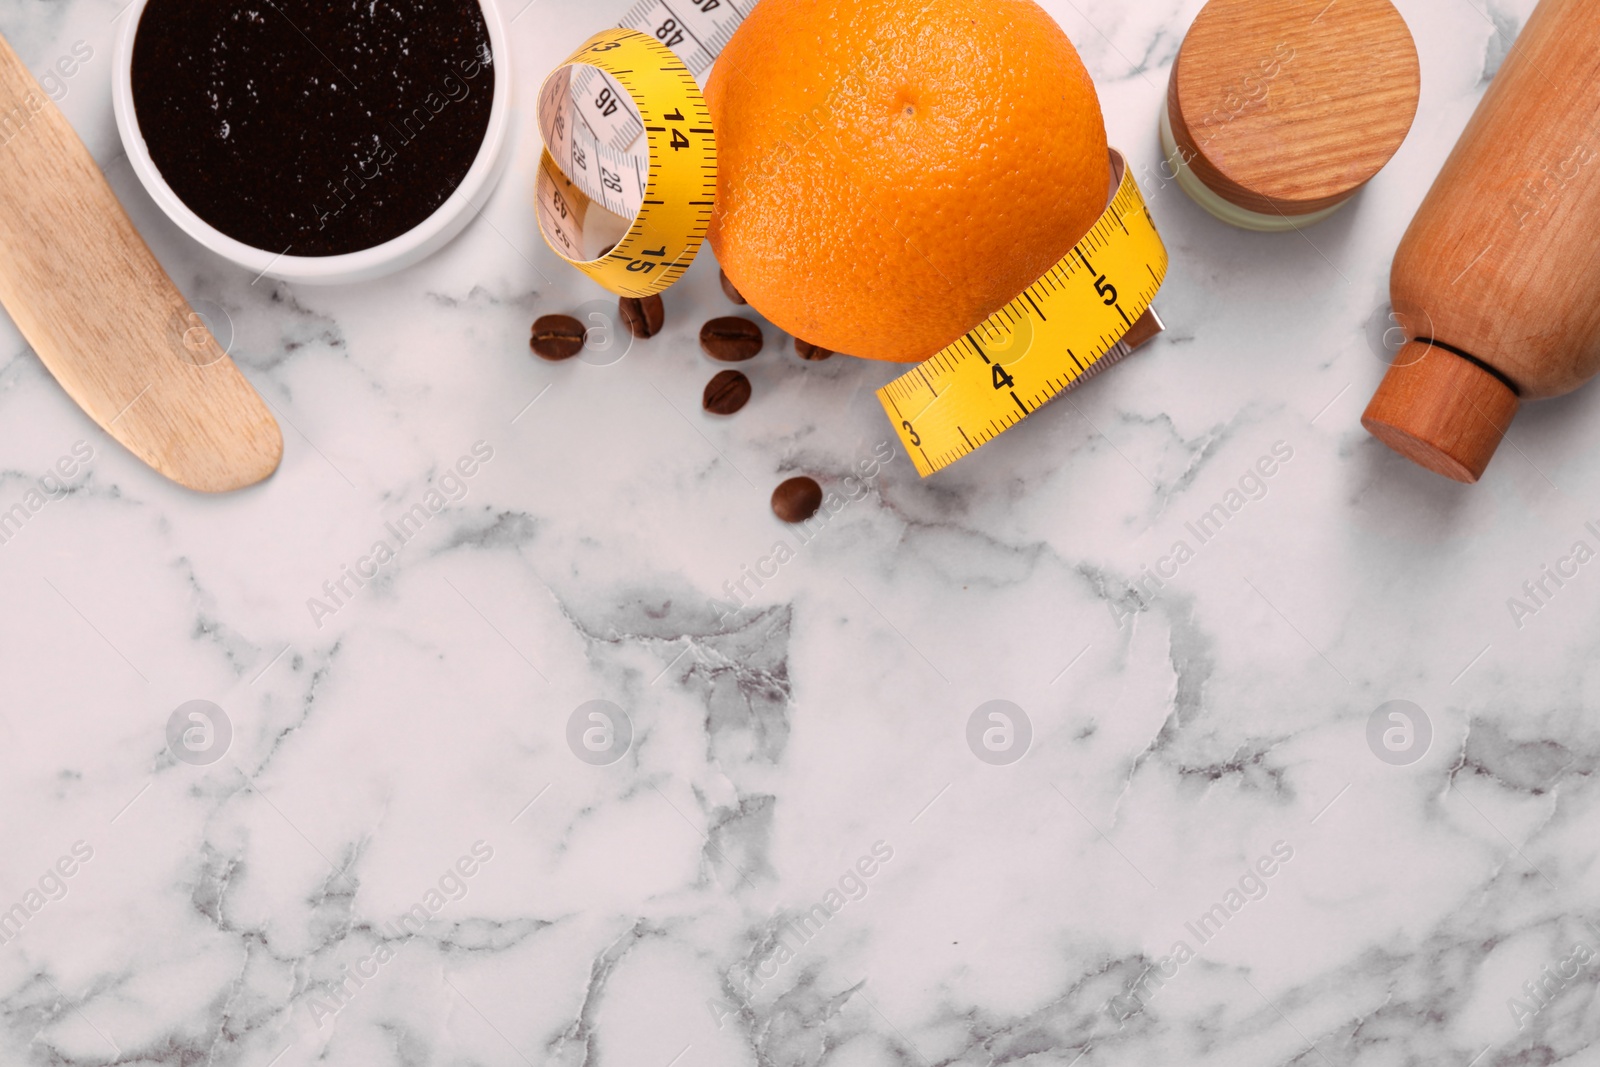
<point x="1056" y="333"/>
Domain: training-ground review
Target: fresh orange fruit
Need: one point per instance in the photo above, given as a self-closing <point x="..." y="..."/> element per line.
<point x="892" y="172"/>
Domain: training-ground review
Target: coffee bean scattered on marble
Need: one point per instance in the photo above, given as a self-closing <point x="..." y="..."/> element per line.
<point x="797" y="499"/>
<point x="726" y="393"/>
<point x="808" y="351"/>
<point x="557" y="337"/>
<point x="733" y="294"/>
<point x="731" y="339"/>
<point x="644" y="316"/>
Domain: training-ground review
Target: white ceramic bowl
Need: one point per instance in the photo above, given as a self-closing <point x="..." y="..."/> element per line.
<point x="432" y="234"/>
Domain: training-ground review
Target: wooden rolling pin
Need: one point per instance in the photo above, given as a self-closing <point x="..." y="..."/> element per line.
<point x="87" y="294"/>
<point x="1497" y="281"/>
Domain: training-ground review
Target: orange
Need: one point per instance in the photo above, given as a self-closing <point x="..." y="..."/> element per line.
<point x="892" y="172"/>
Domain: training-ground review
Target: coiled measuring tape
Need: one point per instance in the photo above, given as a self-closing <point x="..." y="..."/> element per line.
<point x="629" y="172"/>
<point x="631" y="201"/>
<point x="627" y="184"/>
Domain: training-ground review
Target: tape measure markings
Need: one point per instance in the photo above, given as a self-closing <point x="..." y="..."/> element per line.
<point x="627" y="103"/>
<point x="663" y="22"/>
<point x="1052" y="336"/>
<point x="626" y="129"/>
<point x="678" y="30"/>
<point x="660" y="190"/>
<point x="579" y="147"/>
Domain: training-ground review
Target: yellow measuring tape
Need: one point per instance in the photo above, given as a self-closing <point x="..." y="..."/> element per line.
<point x="630" y="201"/>
<point x="627" y="184"/>
<point x="1052" y="336"/>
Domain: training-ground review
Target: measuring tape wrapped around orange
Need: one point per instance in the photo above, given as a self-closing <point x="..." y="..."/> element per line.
<point x="628" y="182"/>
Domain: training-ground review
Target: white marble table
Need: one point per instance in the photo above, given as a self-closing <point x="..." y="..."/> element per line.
<point x="1186" y="735"/>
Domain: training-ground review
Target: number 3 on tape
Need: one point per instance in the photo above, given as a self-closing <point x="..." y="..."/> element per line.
<point x="629" y="172"/>
<point x="628" y="181"/>
<point x="1056" y="333"/>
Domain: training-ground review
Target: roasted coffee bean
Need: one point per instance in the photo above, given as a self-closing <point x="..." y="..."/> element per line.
<point x="644" y="316"/>
<point x="797" y="499"/>
<point x="731" y="340"/>
<point x="557" y="337"/>
<point x="726" y="393"/>
<point x="809" y="351"/>
<point x="733" y="294"/>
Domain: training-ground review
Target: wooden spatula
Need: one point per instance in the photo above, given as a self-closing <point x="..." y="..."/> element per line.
<point x="85" y="291"/>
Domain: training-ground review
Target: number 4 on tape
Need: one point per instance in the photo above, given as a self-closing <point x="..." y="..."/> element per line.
<point x="1086" y="312"/>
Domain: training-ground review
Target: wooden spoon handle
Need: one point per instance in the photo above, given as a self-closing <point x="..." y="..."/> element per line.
<point x="89" y="296"/>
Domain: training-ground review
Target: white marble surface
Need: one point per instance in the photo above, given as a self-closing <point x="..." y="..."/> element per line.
<point x="1177" y="737"/>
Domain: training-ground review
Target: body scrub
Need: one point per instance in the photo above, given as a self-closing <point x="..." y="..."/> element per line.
<point x="310" y="130"/>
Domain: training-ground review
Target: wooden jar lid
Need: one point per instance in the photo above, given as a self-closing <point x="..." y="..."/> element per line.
<point x="1283" y="109"/>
